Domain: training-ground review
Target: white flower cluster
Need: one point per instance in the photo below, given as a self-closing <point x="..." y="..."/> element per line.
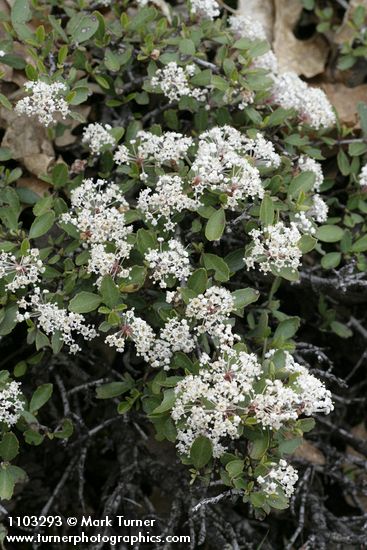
<point x="281" y="477"/>
<point x="312" y="105"/>
<point x="173" y="262"/>
<point x="211" y="310"/>
<point x="210" y="403"/>
<point x="173" y="80"/>
<point x="246" y="27"/>
<point x="175" y="336"/>
<point x="107" y="263"/>
<point x="262" y="150"/>
<point x="167" y="199"/>
<point x="46" y="101"/>
<point x="97" y="136"/>
<point x="363" y="176"/>
<point x="168" y="148"/>
<point x="52" y="319"/>
<point x="97" y="211"/>
<point x="24" y="270"/>
<point x="319" y="210"/>
<point x="220" y="164"/>
<point x="267" y="61"/>
<point x="307" y="164"/>
<point x="275" y="247"/>
<point x="209" y="9"/>
<point x="11" y="402"/>
<point x="280" y="403"/>
<point x="137" y="330"/>
<point x="243" y="26"/>
<point x="304" y="224"/>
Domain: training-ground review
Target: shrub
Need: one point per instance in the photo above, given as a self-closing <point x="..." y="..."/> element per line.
<point x="193" y="196"/>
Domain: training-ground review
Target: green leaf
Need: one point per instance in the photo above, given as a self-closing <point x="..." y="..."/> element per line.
<point x="40" y="397"/>
<point x="110" y="292"/>
<point x="235" y="468"/>
<point x="20" y="12"/>
<point x="9" y="446"/>
<point x="41" y="225"/>
<point x="82" y="27"/>
<point x="244" y="297"/>
<point x="267" y="211"/>
<point x="304" y="182"/>
<point x="287" y="273"/>
<point x="198" y="281"/>
<point x="218" y="265"/>
<point x="215" y="225"/>
<point x="59" y="174"/>
<point x="286" y="329"/>
<point x="201" y="452"/>
<point x="360" y="245"/>
<point x="288" y="446"/>
<point x="343" y="163"/>
<point x="5" y="102"/>
<point x="329" y="233"/>
<point x="7" y="484"/>
<point x="306" y="243"/>
<point x="357" y="149"/>
<point x="84" y="302"/>
<point x="362" y="111"/>
<point x="141" y="18"/>
<point x="186" y="46"/>
<point x="114" y="389"/>
<point x="169" y="398"/>
<point x="306" y="424"/>
<point x="331" y="260"/>
<point x="341" y="330"/>
<point x="146" y="240"/>
<point x="259" y="445"/>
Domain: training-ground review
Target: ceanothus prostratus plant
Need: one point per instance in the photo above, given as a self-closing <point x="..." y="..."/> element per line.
<point x="195" y="191"/>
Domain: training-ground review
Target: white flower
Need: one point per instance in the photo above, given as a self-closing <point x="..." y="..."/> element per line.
<point x="24" y="270"/>
<point x="2" y="53"/>
<point x="282" y="477"/>
<point x="262" y="150"/>
<point x="267" y="61"/>
<point x="312" y="105"/>
<point x="169" y="147"/>
<point x="220" y="164"/>
<point x="97" y="136"/>
<point x="246" y="27"/>
<point x="208" y="9"/>
<point x="209" y="403"/>
<point x="275" y="247"/>
<point x="137" y="330"/>
<point x="173" y="262"/>
<point x="307" y="164"/>
<point x="97" y="211"/>
<point x="45" y="102"/>
<point x="319" y="210"/>
<point x="11" y="402"/>
<point x="122" y="155"/>
<point x="108" y="263"/>
<point x="175" y="336"/>
<point x="167" y="199"/>
<point x="363" y="176"/>
<point x="149" y="149"/>
<point x="174" y="82"/>
<point x="52" y="319"/>
<point x="281" y="403"/>
<point x="211" y="310"/>
<point x="304" y="224"/>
